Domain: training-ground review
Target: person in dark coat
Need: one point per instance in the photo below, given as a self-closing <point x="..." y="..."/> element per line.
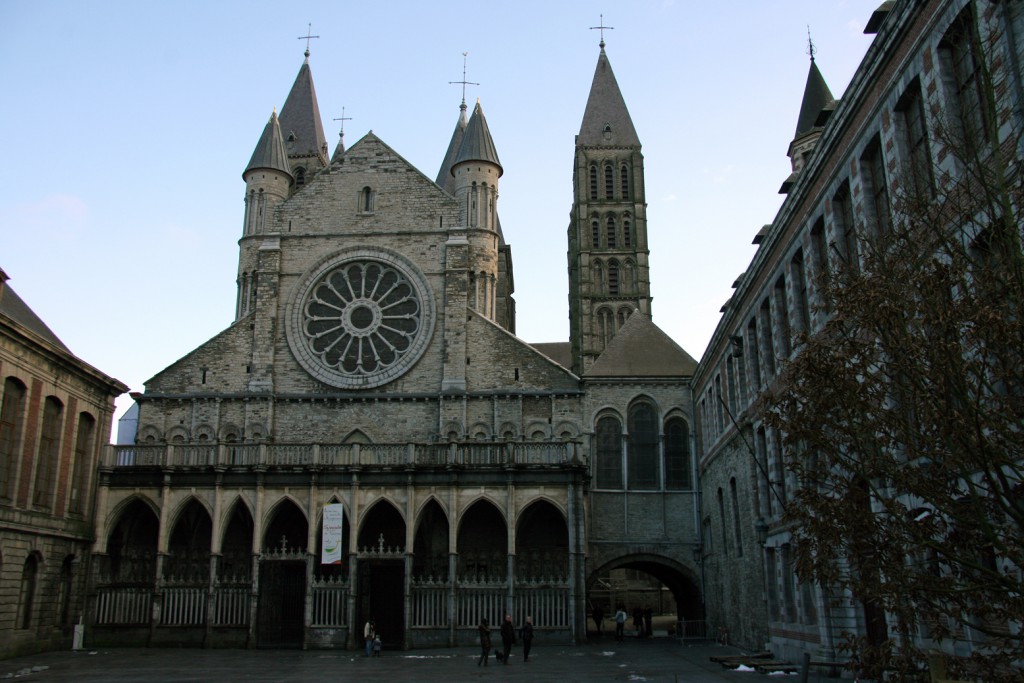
<point x="508" y="637"/>
<point x="599" y="619"/>
<point x="485" y="642"/>
<point x="638" y="621"/>
<point x="526" y="634"/>
<point x="648" y="622"/>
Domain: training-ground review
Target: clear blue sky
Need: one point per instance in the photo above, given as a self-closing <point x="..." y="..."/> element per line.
<point x="129" y="124"/>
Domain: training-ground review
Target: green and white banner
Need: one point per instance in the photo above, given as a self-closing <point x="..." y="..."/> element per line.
<point x="334" y="518"/>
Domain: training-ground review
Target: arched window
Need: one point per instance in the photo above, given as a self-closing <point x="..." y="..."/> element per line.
<point x="677" y="455"/>
<point x="593" y="181"/>
<point x="608" y="447"/>
<point x="613" y="277"/>
<point x="628" y="278"/>
<point x="366" y="200"/>
<point x="624" y="178"/>
<point x="11" y="411"/>
<point x="622" y="317"/>
<point x="642" y="454"/>
<point x="27" y="593"/>
<point x="627" y="231"/>
<point x="82" y="465"/>
<point x="598" y="269"/>
<point x="300" y="176"/>
<point x="612" y="242"/>
<point x="609" y="182"/>
<point x="49" y="452"/>
<point x="595" y="234"/>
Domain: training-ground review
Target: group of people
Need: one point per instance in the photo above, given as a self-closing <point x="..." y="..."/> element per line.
<point x="372" y="639"/>
<point x="642" y="621"/>
<point x="508" y="639"/>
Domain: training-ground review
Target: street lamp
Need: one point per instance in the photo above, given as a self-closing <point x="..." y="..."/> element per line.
<point x="761" y="529"/>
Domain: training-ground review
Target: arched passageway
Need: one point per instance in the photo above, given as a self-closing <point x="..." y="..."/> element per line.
<point x="657" y="587"/>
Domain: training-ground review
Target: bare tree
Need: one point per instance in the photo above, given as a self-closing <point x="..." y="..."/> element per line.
<point x="903" y="416"/>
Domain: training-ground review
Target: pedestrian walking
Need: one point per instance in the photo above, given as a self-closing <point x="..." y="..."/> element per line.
<point x="638" y="621"/>
<point x="620" y="623"/>
<point x="485" y="642"/>
<point x="526" y="635"/>
<point x="648" y="622"/>
<point x="508" y="637"/>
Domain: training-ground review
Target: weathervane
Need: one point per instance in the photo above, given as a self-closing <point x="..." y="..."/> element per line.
<point x="602" y="27"/>
<point x="307" y="37"/>
<point x="463" y="82"/>
<point x="810" y="43"/>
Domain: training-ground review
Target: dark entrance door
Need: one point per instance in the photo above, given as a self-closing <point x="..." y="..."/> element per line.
<point x="381" y="598"/>
<point x="281" y="604"/>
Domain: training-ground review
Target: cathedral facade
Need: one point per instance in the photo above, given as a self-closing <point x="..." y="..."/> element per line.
<point x="372" y="371"/>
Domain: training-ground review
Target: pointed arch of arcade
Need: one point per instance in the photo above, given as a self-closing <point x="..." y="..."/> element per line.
<point x="286" y="529"/>
<point x="188" y="545"/>
<point x="382" y="520"/>
<point x="431" y="542"/>
<point x="680" y="579"/>
<point x="236" y="546"/>
<point x="131" y="545"/>
<point x="542" y="542"/>
<point x="482" y="542"/>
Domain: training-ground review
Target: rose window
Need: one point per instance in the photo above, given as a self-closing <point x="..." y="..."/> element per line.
<point x="360" y="322"/>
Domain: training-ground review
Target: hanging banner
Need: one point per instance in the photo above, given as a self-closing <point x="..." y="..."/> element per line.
<point x="330" y="544"/>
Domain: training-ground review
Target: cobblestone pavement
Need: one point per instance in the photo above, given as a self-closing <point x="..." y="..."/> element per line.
<point x="659" y="659"/>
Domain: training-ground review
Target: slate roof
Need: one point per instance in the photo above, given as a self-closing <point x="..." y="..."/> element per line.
<point x="606" y="108"/>
<point x="12" y="307"/>
<point x="641" y="349"/>
<point x="560" y="352"/>
<point x="444" y="176"/>
<point x="477" y="144"/>
<point x="817" y="97"/>
<point x="300" y="116"/>
<point x="270" y="152"/>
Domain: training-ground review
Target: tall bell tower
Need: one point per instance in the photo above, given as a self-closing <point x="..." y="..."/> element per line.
<point x="609" y="276"/>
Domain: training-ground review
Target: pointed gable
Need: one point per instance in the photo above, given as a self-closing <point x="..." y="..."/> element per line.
<point x="300" y="119"/>
<point x="477" y="144"/>
<point x="444" y="176"/>
<point x="269" y="152"/>
<point x="641" y="349"/>
<point x="14" y="308"/>
<point x="606" y="120"/>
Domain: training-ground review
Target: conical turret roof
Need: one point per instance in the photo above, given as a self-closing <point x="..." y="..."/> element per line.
<point x="300" y="118"/>
<point x="270" y="152"/>
<point x="444" y="176"/>
<point x="606" y="120"/>
<point x="477" y="144"/>
<point x="817" y="97"/>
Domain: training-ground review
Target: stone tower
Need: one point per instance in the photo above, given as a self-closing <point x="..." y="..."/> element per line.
<point x="608" y="255"/>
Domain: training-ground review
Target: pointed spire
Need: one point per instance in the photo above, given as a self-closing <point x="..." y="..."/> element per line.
<point x="477" y="144"/>
<point x="270" y="152"/>
<point x="606" y="119"/>
<point x="817" y="97"/>
<point x="300" y="119"/>
<point x="444" y="176"/>
<point x="339" y="150"/>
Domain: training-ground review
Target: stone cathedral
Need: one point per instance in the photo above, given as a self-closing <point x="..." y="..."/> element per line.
<point x="373" y="365"/>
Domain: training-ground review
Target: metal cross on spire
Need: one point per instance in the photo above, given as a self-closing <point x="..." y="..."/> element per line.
<point x="463" y="82"/>
<point x="810" y="43"/>
<point x="602" y="27"/>
<point x="308" y="37"/>
<point x="343" y="119"/>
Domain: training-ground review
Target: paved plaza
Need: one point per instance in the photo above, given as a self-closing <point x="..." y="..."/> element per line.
<point x="659" y="659"/>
